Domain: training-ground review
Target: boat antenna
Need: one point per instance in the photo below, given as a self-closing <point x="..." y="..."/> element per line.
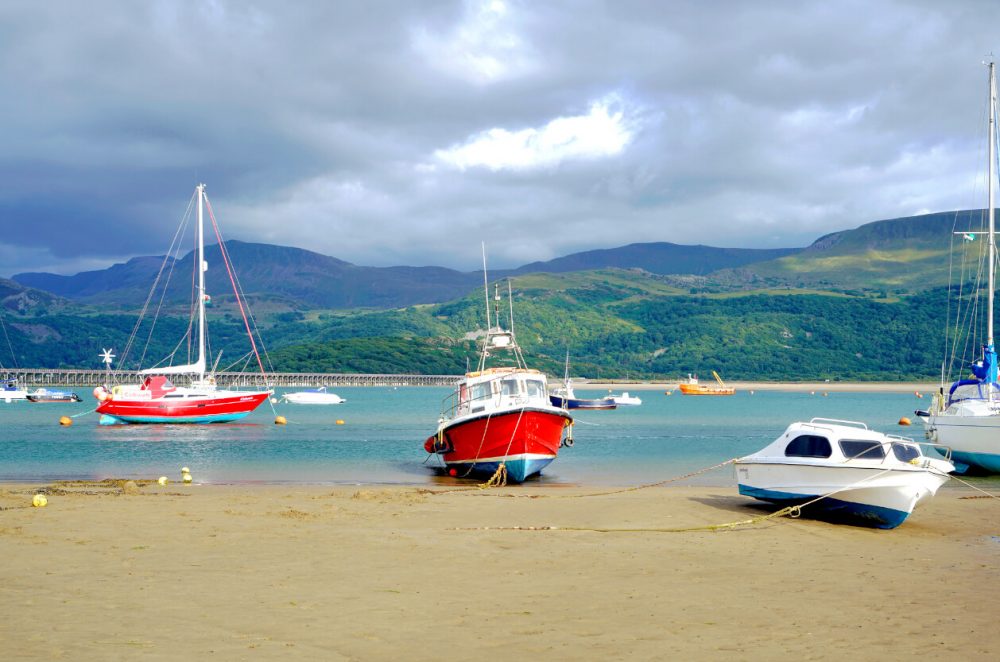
<point x="486" y="289"/>
<point x="510" y="303"/>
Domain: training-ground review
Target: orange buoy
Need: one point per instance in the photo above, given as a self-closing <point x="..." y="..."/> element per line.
<point x="340" y="421"/>
<point x="65" y="420"/>
<point x="904" y="421"/>
<point x="280" y="420"/>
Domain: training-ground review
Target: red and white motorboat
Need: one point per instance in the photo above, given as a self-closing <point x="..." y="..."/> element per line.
<point x="157" y="399"/>
<point x="499" y="422"/>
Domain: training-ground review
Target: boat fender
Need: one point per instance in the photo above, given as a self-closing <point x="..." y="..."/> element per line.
<point x="116" y="391"/>
<point x="568" y="442"/>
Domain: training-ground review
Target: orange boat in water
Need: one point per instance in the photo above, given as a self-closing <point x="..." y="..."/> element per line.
<point x="692" y="387"/>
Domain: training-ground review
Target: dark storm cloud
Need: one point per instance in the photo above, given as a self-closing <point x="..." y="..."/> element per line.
<point x="396" y="132"/>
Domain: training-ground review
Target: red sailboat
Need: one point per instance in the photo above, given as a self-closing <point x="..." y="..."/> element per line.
<point x="499" y="421"/>
<point x="157" y="399"/>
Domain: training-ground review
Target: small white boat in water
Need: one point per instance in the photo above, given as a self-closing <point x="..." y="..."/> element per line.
<point x="857" y="474"/>
<point x="316" y="396"/>
<point x="10" y="391"/>
<point x="627" y="400"/>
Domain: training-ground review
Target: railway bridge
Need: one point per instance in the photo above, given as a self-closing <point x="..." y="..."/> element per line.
<point x="72" y="377"/>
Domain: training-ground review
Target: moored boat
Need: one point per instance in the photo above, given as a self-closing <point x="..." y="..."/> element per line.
<point x="47" y="395"/>
<point x="623" y="399"/>
<point x="967" y="417"/>
<point x="317" y="396"/>
<point x="564" y="396"/>
<point x="499" y="422"/>
<point x="693" y="387"/>
<point x="849" y="471"/>
<point x="10" y="391"/>
<point x="157" y="399"/>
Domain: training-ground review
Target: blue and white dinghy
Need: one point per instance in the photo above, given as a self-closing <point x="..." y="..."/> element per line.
<point x="849" y="471"/>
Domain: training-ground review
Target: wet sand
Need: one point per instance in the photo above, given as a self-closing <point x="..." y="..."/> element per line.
<point x="278" y="572"/>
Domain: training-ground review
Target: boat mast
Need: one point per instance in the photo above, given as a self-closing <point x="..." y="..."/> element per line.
<point x="202" y="267"/>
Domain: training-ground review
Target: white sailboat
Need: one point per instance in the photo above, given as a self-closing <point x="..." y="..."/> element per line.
<point x="967" y="417"/>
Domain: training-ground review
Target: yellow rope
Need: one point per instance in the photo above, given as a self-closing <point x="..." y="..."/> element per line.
<point x="499" y="478"/>
<point x="984" y="495"/>
<point x="791" y="511"/>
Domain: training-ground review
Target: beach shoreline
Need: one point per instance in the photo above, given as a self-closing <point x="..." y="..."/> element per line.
<point x="347" y="573"/>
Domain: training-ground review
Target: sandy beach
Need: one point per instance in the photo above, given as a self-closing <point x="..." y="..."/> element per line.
<point x="348" y="573"/>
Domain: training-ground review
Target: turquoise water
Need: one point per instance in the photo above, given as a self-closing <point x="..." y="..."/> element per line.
<point x="381" y="440"/>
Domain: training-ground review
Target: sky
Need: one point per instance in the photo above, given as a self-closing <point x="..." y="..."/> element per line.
<point x="407" y="133"/>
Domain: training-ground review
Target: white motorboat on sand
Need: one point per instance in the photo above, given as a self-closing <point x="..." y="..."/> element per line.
<point x="843" y="470"/>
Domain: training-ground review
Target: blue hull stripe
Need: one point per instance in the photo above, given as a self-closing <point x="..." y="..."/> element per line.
<point x="517" y="470"/>
<point x="877" y="516"/>
<point x="107" y="419"/>
<point x="978" y="461"/>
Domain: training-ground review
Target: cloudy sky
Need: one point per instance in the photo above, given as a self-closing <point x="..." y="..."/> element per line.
<point x="407" y="132"/>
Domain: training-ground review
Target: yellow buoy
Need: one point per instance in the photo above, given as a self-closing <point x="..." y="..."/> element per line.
<point x="39" y="501"/>
<point x="65" y="420"/>
<point x="162" y="480"/>
<point x="280" y="420"/>
<point x="185" y="470"/>
<point x="187" y="478"/>
<point x="904" y="421"/>
<point x="340" y="421"/>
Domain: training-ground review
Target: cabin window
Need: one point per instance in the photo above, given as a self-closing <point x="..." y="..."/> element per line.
<point x="480" y="391"/>
<point x="808" y="445"/>
<point x="535" y="388"/>
<point x="905" y="452"/>
<point x="862" y="449"/>
<point x="508" y="387"/>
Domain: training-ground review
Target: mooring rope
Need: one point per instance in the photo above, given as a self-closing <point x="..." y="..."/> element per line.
<point x="791" y="511"/>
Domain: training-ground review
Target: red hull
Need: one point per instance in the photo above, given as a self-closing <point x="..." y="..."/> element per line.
<point x="524" y="440"/>
<point x="187" y="410"/>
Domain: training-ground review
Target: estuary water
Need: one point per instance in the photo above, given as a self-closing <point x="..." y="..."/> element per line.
<point x="380" y="439"/>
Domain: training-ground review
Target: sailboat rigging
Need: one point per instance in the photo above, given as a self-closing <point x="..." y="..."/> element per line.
<point x="967" y="416"/>
<point x="157" y="399"/>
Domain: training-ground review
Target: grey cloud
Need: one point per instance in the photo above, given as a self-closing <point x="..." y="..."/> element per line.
<point x="315" y="124"/>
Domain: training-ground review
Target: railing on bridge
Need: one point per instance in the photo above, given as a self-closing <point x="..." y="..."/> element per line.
<point x="64" y="377"/>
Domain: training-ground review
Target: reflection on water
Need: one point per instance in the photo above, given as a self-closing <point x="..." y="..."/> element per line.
<point x="381" y="439"/>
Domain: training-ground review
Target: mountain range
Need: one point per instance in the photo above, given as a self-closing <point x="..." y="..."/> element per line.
<point x="867" y="303"/>
<point x="902" y="254"/>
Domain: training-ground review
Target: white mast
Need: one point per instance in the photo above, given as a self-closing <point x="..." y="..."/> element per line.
<point x="198" y="367"/>
<point x="993" y="101"/>
<point x="202" y="267"/>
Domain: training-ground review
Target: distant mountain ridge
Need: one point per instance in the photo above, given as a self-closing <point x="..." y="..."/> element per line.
<point x="311" y="280"/>
<point x="662" y="258"/>
<point x="903" y="254"/>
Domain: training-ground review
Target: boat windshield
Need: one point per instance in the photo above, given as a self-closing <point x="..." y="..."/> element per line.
<point x="535" y="388"/>
<point x="508" y="387"/>
<point x="905" y="452"/>
<point x="862" y="449"/>
<point x="808" y="445"/>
